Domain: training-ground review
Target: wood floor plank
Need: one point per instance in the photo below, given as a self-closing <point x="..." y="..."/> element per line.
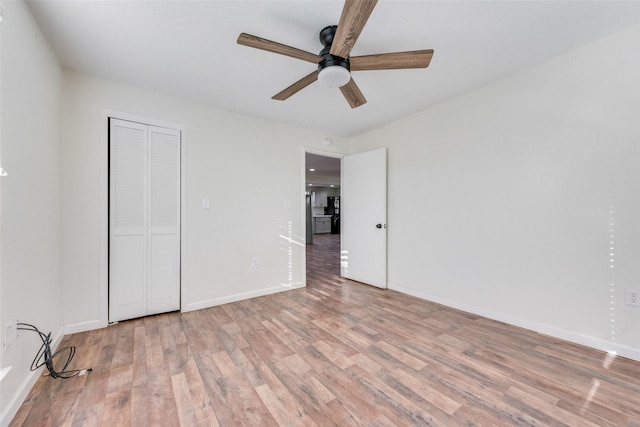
<point x="311" y="394"/>
<point x="188" y="413"/>
<point x="541" y="409"/>
<point x="217" y="391"/>
<point x="401" y="355"/>
<point x="391" y="397"/>
<point x="275" y="389"/>
<point x="335" y="353"/>
<point x="117" y="409"/>
<point x="89" y="416"/>
<point x="340" y="357"/>
<point x="199" y="399"/>
<point x="357" y="403"/>
<point x="281" y="414"/>
<point x="343" y="333"/>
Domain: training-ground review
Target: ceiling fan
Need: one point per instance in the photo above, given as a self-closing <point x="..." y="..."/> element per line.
<point x="334" y="65"/>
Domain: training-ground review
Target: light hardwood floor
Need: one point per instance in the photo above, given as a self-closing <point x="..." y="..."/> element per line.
<point x="336" y="353"/>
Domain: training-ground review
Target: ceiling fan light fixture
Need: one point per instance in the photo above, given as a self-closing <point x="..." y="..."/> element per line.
<point x="334" y="76"/>
<point x="334" y="60"/>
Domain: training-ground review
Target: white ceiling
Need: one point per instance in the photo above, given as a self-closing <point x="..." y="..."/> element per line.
<point x="322" y="170"/>
<point x="188" y="48"/>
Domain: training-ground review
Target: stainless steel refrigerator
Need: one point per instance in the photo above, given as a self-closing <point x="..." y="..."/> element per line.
<point x="309" y="221"/>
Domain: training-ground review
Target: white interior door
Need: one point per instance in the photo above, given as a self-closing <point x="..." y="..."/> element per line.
<point x="144" y="218"/>
<point x="363" y="217"/>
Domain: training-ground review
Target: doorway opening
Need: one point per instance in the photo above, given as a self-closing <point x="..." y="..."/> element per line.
<point x="322" y="197"/>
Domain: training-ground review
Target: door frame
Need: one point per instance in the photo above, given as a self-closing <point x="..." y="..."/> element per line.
<point x="105" y="115"/>
<point x="306" y="150"/>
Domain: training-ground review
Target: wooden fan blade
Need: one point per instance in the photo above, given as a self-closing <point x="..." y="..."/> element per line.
<point x="352" y="94"/>
<point x="353" y="19"/>
<point x="270" y="46"/>
<point x="392" y="61"/>
<point x="296" y="87"/>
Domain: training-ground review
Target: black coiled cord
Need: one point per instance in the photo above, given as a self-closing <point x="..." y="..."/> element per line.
<point x="46" y="357"/>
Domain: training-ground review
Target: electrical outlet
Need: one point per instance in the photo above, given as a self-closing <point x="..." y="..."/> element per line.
<point x="633" y="297"/>
<point x="10" y="333"/>
<point x="255" y="263"/>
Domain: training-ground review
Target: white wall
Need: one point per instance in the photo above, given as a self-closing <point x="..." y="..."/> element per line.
<point x="31" y="273"/>
<point x="518" y="185"/>
<point x="250" y="169"/>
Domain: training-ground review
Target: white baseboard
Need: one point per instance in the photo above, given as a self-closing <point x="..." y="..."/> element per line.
<point x="239" y="297"/>
<point x="589" y="341"/>
<point x="27" y="384"/>
<point x="90" y="325"/>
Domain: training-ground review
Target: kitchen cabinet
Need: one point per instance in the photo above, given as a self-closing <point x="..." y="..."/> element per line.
<point x="319" y="199"/>
<point x="323" y="224"/>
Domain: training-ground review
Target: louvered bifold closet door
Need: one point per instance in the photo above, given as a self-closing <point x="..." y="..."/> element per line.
<point x="127" y="220"/>
<point x="144" y="220"/>
<point x="164" y="221"/>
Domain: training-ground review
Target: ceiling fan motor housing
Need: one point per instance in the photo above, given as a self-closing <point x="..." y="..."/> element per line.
<point x="332" y="60"/>
<point x="327" y="34"/>
<point x="326" y="38"/>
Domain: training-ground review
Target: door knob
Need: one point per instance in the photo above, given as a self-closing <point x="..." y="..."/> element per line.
<point x="378" y="225"/>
